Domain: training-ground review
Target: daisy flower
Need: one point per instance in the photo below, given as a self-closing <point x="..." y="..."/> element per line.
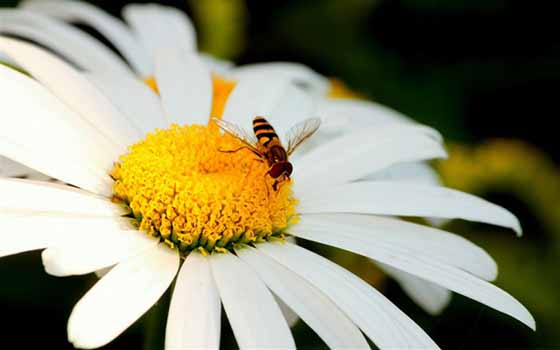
<point x="339" y="114"/>
<point x="154" y="198"/>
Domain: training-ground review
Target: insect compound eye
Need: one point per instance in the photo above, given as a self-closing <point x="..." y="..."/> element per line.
<point x="288" y="168"/>
<point x="277" y="169"/>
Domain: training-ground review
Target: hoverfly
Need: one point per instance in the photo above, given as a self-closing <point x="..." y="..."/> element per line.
<point x="266" y="144"/>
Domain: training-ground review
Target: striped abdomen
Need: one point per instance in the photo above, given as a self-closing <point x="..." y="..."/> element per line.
<point x="265" y="132"/>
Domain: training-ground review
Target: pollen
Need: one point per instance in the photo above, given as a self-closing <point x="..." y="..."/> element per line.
<point x="221" y="91"/>
<point x="338" y="90"/>
<point x="152" y="84"/>
<point x="185" y="190"/>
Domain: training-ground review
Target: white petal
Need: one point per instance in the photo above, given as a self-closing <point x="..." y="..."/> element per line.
<point x="75" y="90"/>
<point x="33" y="236"/>
<point x="63" y="168"/>
<point x="133" y="98"/>
<point x="292" y="107"/>
<point x="9" y="168"/>
<point x="397" y="198"/>
<point x="413" y="172"/>
<point x="95" y="251"/>
<point x="74" y="44"/>
<point x="431" y="297"/>
<point x="401" y="237"/>
<point x="194" y="315"/>
<point x="22" y="232"/>
<point x="110" y="27"/>
<point x="103" y="272"/>
<point x="425" y="267"/>
<point x="217" y="65"/>
<point x="185" y="86"/>
<point x="343" y="116"/>
<point x="379" y="319"/>
<point x="360" y="113"/>
<point x="251" y="97"/>
<point x="121" y="297"/>
<point x="255" y="318"/>
<point x="291" y="317"/>
<point x="158" y="26"/>
<point x="354" y="114"/>
<point x="297" y="73"/>
<point x="315" y="308"/>
<point x="45" y="135"/>
<point x="362" y="152"/>
<point x="278" y="100"/>
<point x="40" y="196"/>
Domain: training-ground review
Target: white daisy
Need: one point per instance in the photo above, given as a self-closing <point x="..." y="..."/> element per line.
<point x="192" y="198"/>
<point x="354" y="113"/>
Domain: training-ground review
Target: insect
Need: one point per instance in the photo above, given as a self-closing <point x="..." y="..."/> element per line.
<point x="266" y="144"/>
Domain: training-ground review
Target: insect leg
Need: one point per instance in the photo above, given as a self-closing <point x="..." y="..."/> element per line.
<point x="266" y="186"/>
<point x="280" y="181"/>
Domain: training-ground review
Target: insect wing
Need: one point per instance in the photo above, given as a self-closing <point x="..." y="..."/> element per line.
<point x="301" y="132"/>
<point x="239" y="133"/>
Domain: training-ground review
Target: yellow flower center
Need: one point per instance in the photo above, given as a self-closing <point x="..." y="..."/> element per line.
<point x="183" y="188"/>
<point x="339" y="90"/>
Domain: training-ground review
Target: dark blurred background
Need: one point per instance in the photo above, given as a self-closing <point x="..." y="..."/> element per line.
<point x="483" y="72"/>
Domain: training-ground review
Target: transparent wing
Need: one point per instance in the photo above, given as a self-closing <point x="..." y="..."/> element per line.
<point x="301" y="132"/>
<point x="239" y="133"/>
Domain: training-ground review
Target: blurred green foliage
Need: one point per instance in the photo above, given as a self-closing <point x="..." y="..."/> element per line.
<point x="221" y="26"/>
<point x="520" y="175"/>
